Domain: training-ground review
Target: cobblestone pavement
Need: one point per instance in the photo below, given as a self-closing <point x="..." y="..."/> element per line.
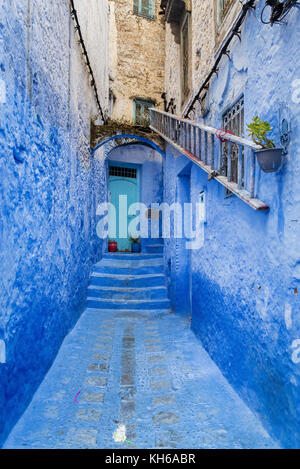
<point x="141" y="378"/>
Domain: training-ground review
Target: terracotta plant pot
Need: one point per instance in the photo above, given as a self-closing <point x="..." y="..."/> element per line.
<point x="269" y="159"/>
<point x="112" y="246"/>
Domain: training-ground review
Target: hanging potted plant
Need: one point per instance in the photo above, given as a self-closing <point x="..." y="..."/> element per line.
<point x="135" y="244"/>
<point x="269" y="157"/>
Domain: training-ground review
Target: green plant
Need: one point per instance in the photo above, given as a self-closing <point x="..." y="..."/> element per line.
<point x="134" y="240"/>
<point x="258" y="130"/>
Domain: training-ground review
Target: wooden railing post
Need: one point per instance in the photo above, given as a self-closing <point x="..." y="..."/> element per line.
<point x="229" y="161"/>
<point x="240" y="167"/>
<point x="173" y="129"/>
<point x="188" y="137"/>
<point x="192" y="139"/>
<point x="212" y="149"/>
<point x="198" y="138"/>
<point x="205" y="148"/>
<point x="220" y="156"/>
<point x="186" y="128"/>
<point x="252" y="173"/>
<point x="199" y="143"/>
<point x="195" y="140"/>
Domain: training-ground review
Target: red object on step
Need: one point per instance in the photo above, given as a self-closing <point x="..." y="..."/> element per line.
<point x="112" y="246"/>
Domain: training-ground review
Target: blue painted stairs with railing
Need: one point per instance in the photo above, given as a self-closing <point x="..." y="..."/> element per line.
<point x="129" y="282"/>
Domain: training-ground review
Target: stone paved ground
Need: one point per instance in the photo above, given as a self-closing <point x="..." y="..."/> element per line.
<point x="147" y="373"/>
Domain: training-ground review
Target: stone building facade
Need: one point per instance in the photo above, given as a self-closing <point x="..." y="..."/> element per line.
<point x="200" y="48"/>
<point x="137" y="54"/>
<point x="208" y="23"/>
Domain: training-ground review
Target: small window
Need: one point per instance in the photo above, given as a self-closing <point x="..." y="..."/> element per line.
<point x="120" y="171"/>
<point x="223" y="8"/>
<point x="142" y="112"/>
<point x="233" y="120"/>
<point x="143" y="8"/>
<point x="202" y="206"/>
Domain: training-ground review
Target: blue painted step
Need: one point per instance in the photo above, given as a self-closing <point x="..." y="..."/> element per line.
<point x="134" y="313"/>
<point x="147" y="293"/>
<point x="154" y="248"/>
<point x="133" y="281"/>
<point x="129" y="270"/>
<point x="135" y="263"/>
<point x="104" y="303"/>
<point x="128" y="282"/>
<point x="132" y="257"/>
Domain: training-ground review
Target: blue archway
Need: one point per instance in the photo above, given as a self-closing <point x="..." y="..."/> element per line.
<point x="143" y="140"/>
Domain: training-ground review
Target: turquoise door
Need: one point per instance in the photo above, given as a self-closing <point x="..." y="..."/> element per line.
<point x="123" y="191"/>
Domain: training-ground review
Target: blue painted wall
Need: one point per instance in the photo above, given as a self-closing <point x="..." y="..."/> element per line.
<point x="245" y="279"/>
<point x="49" y="189"/>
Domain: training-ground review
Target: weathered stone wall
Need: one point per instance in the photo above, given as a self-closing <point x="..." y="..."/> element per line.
<point x="50" y="184"/>
<point x="206" y="35"/>
<point x="202" y="39"/>
<point x="172" y="68"/>
<point x="225" y="22"/>
<point x="137" y="46"/>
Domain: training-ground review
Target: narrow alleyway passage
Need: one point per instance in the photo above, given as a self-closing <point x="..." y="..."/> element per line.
<point x="147" y="372"/>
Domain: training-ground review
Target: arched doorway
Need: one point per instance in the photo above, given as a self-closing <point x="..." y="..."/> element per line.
<point x="134" y="175"/>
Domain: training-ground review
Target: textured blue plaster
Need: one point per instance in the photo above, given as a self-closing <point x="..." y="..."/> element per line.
<point x="50" y="185"/>
<point x="242" y="279"/>
<point x="246" y="276"/>
<point x="179" y="398"/>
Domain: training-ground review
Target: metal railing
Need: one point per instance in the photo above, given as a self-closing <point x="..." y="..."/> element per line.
<point x="206" y="147"/>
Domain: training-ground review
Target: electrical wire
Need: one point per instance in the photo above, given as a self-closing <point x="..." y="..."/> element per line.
<point x="286" y="7"/>
<point x="250" y="4"/>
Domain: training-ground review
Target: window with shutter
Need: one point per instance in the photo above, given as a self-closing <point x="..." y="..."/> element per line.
<point x="143" y="8"/>
<point x="233" y="120"/>
<point x="224" y="7"/>
<point x="142" y="112"/>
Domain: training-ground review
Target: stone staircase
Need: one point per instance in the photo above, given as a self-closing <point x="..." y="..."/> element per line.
<point x="155" y="248"/>
<point x="129" y="282"/>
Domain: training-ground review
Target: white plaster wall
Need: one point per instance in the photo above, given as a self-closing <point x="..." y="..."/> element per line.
<point x="93" y="17"/>
<point x="113" y="42"/>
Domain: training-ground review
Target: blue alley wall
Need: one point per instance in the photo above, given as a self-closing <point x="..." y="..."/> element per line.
<point x="246" y="278"/>
<point x="50" y="187"/>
